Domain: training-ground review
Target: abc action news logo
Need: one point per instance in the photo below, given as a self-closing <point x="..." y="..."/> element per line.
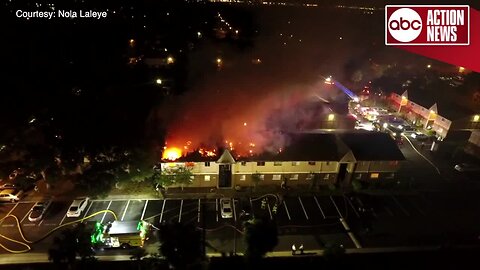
<point x="427" y="25"/>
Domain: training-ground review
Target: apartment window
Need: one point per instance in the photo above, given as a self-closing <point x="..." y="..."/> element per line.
<point x="207" y="164"/>
<point x="277" y="177"/>
<point x="262" y="177"/>
<point x="309" y="176"/>
<point x="294" y="177"/>
<point x="277" y="163"/>
<point x="326" y="176"/>
<point x="192" y="177"/>
<point x="207" y="178"/>
<point x="244" y="163"/>
<point x="261" y="163"/>
<point x="295" y="163"/>
<point x="374" y="175"/>
<point x="358" y="176"/>
<point x="311" y="163"/>
<point x="243" y="177"/>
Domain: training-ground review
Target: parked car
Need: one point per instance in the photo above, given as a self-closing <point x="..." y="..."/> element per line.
<point x="419" y="136"/>
<point x="38" y="211"/>
<point x="77" y="207"/>
<point x="226" y="208"/>
<point x="10" y="195"/>
<point x="467" y="167"/>
<point x="8" y="186"/>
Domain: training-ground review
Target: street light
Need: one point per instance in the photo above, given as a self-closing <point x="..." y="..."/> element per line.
<point x="158" y="81"/>
<point x="170" y="60"/>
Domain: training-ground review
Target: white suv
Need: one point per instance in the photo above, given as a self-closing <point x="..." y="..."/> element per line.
<point x="77" y="207"/>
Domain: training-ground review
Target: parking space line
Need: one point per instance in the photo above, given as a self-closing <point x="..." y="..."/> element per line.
<point x="303" y="207"/>
<point x="234" y="211"/>
<point x="29" y="211"/>
<point x="269" y="211"/>
<point x="88" y="209"/>
<point x="286" y="210"/>
<point x="161" y="213"/>
<point x="9" y="212"/>
<point x="104" y="214"/>
<point x="251" y="207"/>
<point x="400" y="206"/>
<point x="8" y="225"/>
<point x="180" y="213"/>
<point x="216" y="208"/>
<point x="198" y="216"/>
<point x="63" y="219"/>
<point x="144" y="209"/>
<point x="415" y="205"/>
<point x="124" y="211"/>
<point x="354" y="210"/>
<point x="336" y="207"/>
<point x="388" y="210"/>
<point x="319" y="207"/>
<point x="28" y="224"/>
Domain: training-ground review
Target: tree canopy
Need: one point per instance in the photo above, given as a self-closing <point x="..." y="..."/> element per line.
<point x="180" y="244"/>
<point x="261" y="236"/>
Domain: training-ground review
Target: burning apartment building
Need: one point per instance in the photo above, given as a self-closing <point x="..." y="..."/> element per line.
<point x="311" y="159"/>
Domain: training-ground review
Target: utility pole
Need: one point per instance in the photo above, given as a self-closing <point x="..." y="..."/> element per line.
<point x="204" y="232"/>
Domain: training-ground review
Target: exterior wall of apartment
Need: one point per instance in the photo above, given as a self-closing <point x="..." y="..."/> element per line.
<point x="295" y="173"/>
<point x="416" y="112"/>
<point x="373" y="170"/>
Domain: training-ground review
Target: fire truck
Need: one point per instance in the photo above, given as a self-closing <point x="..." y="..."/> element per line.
<point x="120" y="234"/>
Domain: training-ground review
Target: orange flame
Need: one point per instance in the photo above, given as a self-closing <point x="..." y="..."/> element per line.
<point x="207" y="153"/>
<point x="172" y="153"/>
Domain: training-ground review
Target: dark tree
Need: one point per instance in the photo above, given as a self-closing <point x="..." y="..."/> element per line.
<point x="261" y="236"/>
<point x="71" y="243"/>
<point x="181" y="245"/>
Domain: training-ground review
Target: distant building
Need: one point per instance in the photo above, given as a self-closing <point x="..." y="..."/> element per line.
<point x="438" y="115"/>
<point x="310" y="159"/>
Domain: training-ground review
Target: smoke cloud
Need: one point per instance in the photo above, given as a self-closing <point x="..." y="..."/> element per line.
<point x="249" y="105"/>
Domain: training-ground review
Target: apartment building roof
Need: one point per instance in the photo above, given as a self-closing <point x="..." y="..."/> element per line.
<point x="306" y="147"/>
<point x="372" y="146"/>
<point x="360" y="146"/>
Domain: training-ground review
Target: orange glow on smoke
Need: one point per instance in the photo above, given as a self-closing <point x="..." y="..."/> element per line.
<point x="172" y="153"/>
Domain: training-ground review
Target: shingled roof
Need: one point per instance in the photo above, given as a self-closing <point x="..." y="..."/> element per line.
<point x="346" y="147"/>
<point x="369" y="146"/>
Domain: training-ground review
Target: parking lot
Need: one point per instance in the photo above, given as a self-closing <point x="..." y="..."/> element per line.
<point x="307" y="214"/>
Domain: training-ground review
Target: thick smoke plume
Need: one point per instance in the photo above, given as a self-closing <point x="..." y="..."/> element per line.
<point x="251" y="106"/>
